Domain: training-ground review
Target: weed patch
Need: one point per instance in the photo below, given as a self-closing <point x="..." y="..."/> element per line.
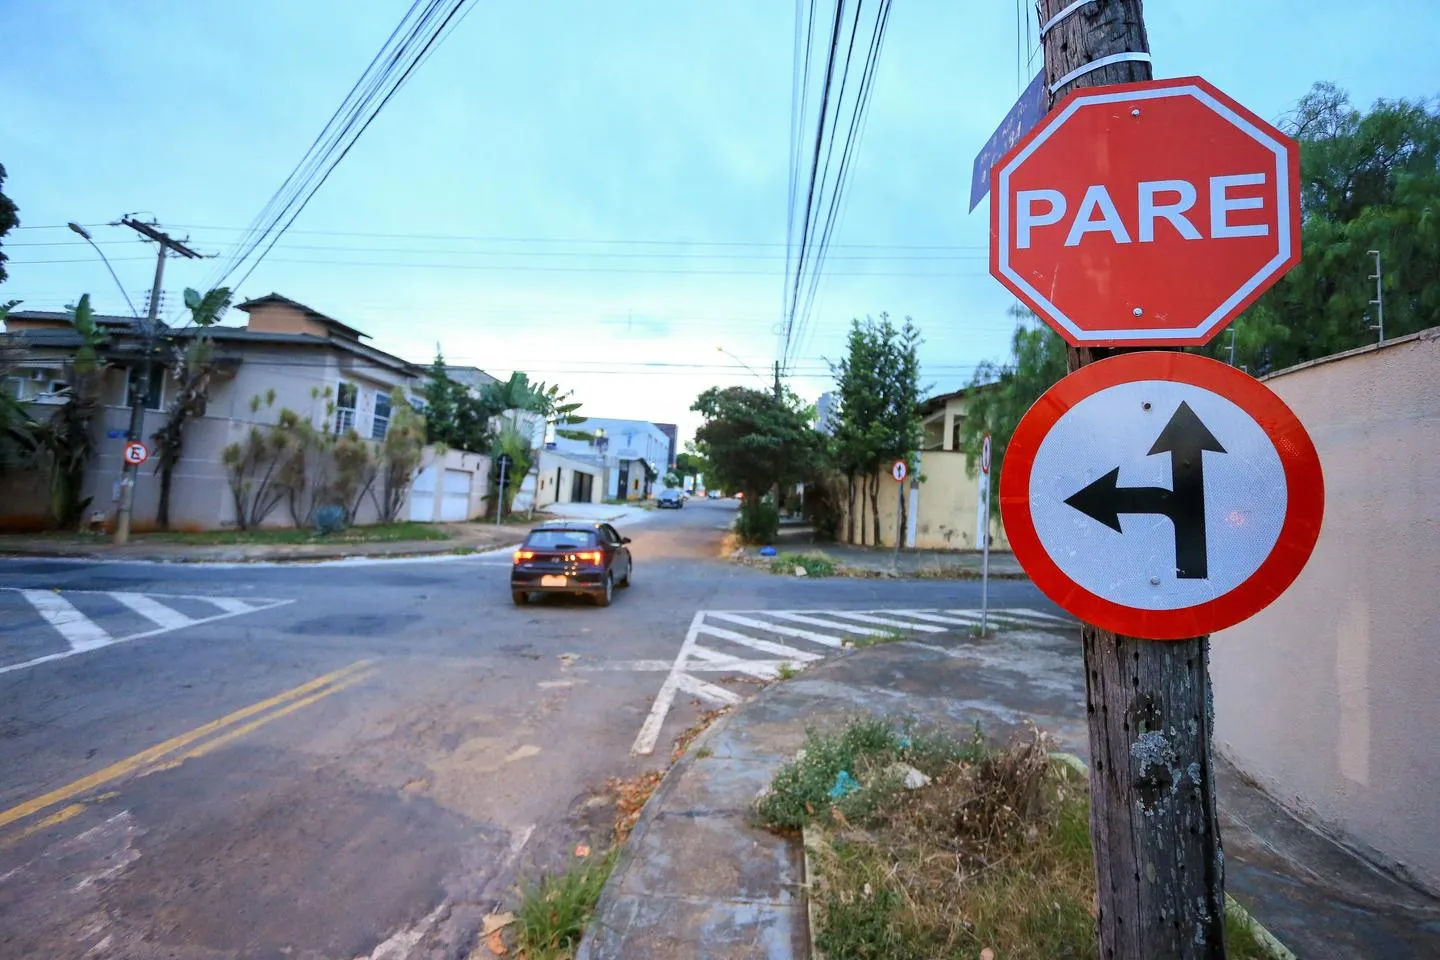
<point x="814" y="564"/>
<point x="992" y="853"/>
<point x="553" y="913"/>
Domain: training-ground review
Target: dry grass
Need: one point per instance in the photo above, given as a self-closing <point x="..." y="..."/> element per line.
<point x="993" y="854"/>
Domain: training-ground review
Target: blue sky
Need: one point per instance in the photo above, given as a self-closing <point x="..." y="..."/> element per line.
<point x="569" y="187"/>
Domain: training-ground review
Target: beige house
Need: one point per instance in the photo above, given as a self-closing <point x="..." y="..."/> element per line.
<point x="310" y="363"/>
<point x="942" y="498"/>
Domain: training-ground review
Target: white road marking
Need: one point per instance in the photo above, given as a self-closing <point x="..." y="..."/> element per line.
<point x="821" y="622"/>
<point x="764" y="646"/>
<point x="712" y="657"/>
<point x="821" y="638"/>
<point x="887" y="621"/>
<point x="752" y="667"/>
<point x="84" y="635"/>
<point x="936" y="618"/>
<point x="155" y="611"/>
<point x="650" y="729"/>
<point x="79" y="631"/>
<point x="707" y="690"/>
<point x="1038" y="615"/>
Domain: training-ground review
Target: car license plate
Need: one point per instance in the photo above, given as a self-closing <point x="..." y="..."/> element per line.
<point x="553" y="581"/>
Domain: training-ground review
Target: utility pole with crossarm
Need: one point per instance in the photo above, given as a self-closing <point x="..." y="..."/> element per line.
<point x="140" y="395"/>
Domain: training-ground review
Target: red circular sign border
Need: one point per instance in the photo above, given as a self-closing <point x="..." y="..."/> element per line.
<point x="144" y="449"/>
<point x="902" y="465"/>
<point x="1304" y="481"/>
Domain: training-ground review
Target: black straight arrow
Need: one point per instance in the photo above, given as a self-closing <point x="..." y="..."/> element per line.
<point x="1186" y="439"/>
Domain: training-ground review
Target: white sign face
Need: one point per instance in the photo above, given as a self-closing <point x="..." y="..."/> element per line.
<point x="899" y="470"/>
<point x="1157" y="494"/>
<point x="136" y="453"/>
<point x="985" y="456"/>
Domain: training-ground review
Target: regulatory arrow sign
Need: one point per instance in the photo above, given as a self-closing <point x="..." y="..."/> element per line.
<point x="1161" y="495"/>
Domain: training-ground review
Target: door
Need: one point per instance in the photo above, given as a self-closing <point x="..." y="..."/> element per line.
<point x="619" y="553"/>
<point x="455" y="499"/>
<point x="422" y="496"/>
<point x="582" y="487"/>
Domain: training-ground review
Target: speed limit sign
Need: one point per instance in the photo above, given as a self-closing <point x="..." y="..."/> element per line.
<point x="899" y="471"/>
<point x="985" y="455"/>
<point x="136" y="453"/>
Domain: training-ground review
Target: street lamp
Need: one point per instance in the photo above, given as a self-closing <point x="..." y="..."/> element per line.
<point x="743" y="364"/>
<point x="91" y="240"/>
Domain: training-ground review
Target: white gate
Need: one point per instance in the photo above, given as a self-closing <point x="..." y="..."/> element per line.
<point x="422" y="496"/>
<point x="455" y="504"/>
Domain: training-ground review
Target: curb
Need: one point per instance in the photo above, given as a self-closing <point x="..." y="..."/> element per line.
<point x="457" y="551"/>
<point x="648" y="815"/>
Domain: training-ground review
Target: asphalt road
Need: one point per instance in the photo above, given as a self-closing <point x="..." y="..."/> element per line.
<point x="351" y="759"/>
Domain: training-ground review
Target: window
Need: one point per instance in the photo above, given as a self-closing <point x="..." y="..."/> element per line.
<point x="133" y="378"/>
<point x="380" y="423"/>
<point x="560" y="539"/>
<point x="345" y="400"/>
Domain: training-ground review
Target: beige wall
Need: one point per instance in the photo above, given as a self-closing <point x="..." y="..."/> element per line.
<point x="550" y="492"/>
<point x="1330" y="698"/>
<point x="281" y="318"/>
<point x="946" y="512"/>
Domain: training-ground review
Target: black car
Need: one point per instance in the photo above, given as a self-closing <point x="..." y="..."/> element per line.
<point x="670" y="498"/>
<point x="571" y="556"/>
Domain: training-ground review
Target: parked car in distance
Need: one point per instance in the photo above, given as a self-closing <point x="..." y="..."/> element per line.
<point x="571" y="556"/>
<point x="670" y="498"/>
<point x="713" y="495"/>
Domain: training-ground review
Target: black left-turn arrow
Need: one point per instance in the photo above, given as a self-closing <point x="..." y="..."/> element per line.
<point x="1186" y="439"/>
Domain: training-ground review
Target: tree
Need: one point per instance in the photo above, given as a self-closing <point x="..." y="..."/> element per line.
<point x="400" y="455"/>
<point x="192" y="369"/>
<point x="690" y="462"/>
<point x="999" y="394"/>
<point x="752" y="440"/>
<point x="877" y="416"/>
<point x="18" y="443"/>
<point x="1368" y="182"/>
<point x="509" y="442"/>
<point x="69" y="436"/>
<point x="519" y="395"/>
<point x="454" y="416"/>
<point x="9" y="220"/>
<point x="256" y="466"/>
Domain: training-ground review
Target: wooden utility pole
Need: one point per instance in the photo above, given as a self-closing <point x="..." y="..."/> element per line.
<point x="1158" y="866"/>
<point x="141" y="395"/>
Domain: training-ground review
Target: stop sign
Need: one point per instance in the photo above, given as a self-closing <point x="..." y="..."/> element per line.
<point x="1145" y="213"/>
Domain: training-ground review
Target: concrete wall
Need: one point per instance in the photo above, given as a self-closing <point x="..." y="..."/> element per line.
<point x="945" y="513"/>
<point x="1330" y="698"/>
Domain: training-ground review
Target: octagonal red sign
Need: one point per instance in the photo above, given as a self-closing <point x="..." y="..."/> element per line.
<point x="1145" y="213"/>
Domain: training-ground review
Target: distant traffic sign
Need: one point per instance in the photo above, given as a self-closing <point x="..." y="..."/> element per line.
<point x="1145" y="213"/>
<point x="899" y="470"/>
<point x="985" y="455"/>
<point x="136" y="453"/>
<point x="1161" y="495"/>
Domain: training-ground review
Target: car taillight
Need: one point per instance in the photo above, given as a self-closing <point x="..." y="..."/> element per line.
<point x="591" y="556"/>
<point x="524" y="555"/>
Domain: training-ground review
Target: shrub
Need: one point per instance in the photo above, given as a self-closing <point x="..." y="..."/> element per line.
<point x="758" y="522"/>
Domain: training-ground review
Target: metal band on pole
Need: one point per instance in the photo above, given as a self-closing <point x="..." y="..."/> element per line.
<point x="1093" y="65"/>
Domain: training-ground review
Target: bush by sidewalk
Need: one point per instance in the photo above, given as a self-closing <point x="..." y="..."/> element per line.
<point x="927" y="845"/>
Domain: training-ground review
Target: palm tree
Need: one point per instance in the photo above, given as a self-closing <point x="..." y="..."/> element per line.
<point x="18" y="444"/>
<point x="69" y="436"/>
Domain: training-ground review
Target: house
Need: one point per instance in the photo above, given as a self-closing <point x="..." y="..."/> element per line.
<point x="285" y="356"/>
<point x="942" y="499"/>
<point x="636" y="453"/>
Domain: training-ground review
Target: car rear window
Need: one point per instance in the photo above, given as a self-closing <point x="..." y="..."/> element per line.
<point x="560" y="539"/>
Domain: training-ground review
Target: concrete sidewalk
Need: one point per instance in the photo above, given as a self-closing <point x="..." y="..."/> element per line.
<point x="882" y="561"/>
<point x="464" y="538"/>
<point x="698" y="880"/>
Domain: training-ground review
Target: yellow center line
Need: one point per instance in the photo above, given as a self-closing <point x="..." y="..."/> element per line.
<point x="148" y="757"/>
<point x="59" y="816"/>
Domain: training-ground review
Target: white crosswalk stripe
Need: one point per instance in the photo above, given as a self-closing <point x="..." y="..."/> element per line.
<point x="759" y="644"/>
<point x="78" y="621"/>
